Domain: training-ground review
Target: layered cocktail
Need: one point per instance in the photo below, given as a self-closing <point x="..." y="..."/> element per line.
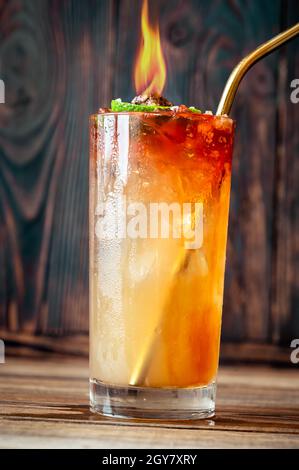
<point x="159" y="201"/>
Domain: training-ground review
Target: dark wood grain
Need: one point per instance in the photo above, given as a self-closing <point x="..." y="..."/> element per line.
<point x="60" y="60"/>
<point x="53" y="55"/>
<point x="45" y="404"/>
<point x="285" y="292"/>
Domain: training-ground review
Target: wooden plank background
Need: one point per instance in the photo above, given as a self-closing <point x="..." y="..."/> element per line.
<point x="61" y="60"/>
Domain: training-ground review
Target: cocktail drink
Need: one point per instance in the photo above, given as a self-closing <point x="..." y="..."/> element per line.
<point x="159" y="202"/>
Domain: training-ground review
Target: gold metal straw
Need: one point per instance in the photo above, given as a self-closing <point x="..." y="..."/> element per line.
<point x="143" y="362"/>
<point x="242" y="68"/>
<point x="144" y="357"/>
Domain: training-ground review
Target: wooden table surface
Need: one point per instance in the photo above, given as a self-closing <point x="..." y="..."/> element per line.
<point x="44" y="404"/>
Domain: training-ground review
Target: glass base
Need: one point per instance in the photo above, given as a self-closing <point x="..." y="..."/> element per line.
<point x="152" y="403"/>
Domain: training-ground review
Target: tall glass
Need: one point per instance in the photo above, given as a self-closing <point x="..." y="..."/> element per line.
<point x="159" y="203"/>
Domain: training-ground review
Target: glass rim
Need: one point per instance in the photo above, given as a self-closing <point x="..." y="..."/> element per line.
<point x="185" y="115"/>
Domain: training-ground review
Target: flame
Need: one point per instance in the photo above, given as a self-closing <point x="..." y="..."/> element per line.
<point x="150" y="67"/>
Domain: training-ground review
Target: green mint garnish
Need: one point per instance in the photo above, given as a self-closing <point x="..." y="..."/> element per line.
<point x="195" y="110"/>
<point x="119" y="106"/>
